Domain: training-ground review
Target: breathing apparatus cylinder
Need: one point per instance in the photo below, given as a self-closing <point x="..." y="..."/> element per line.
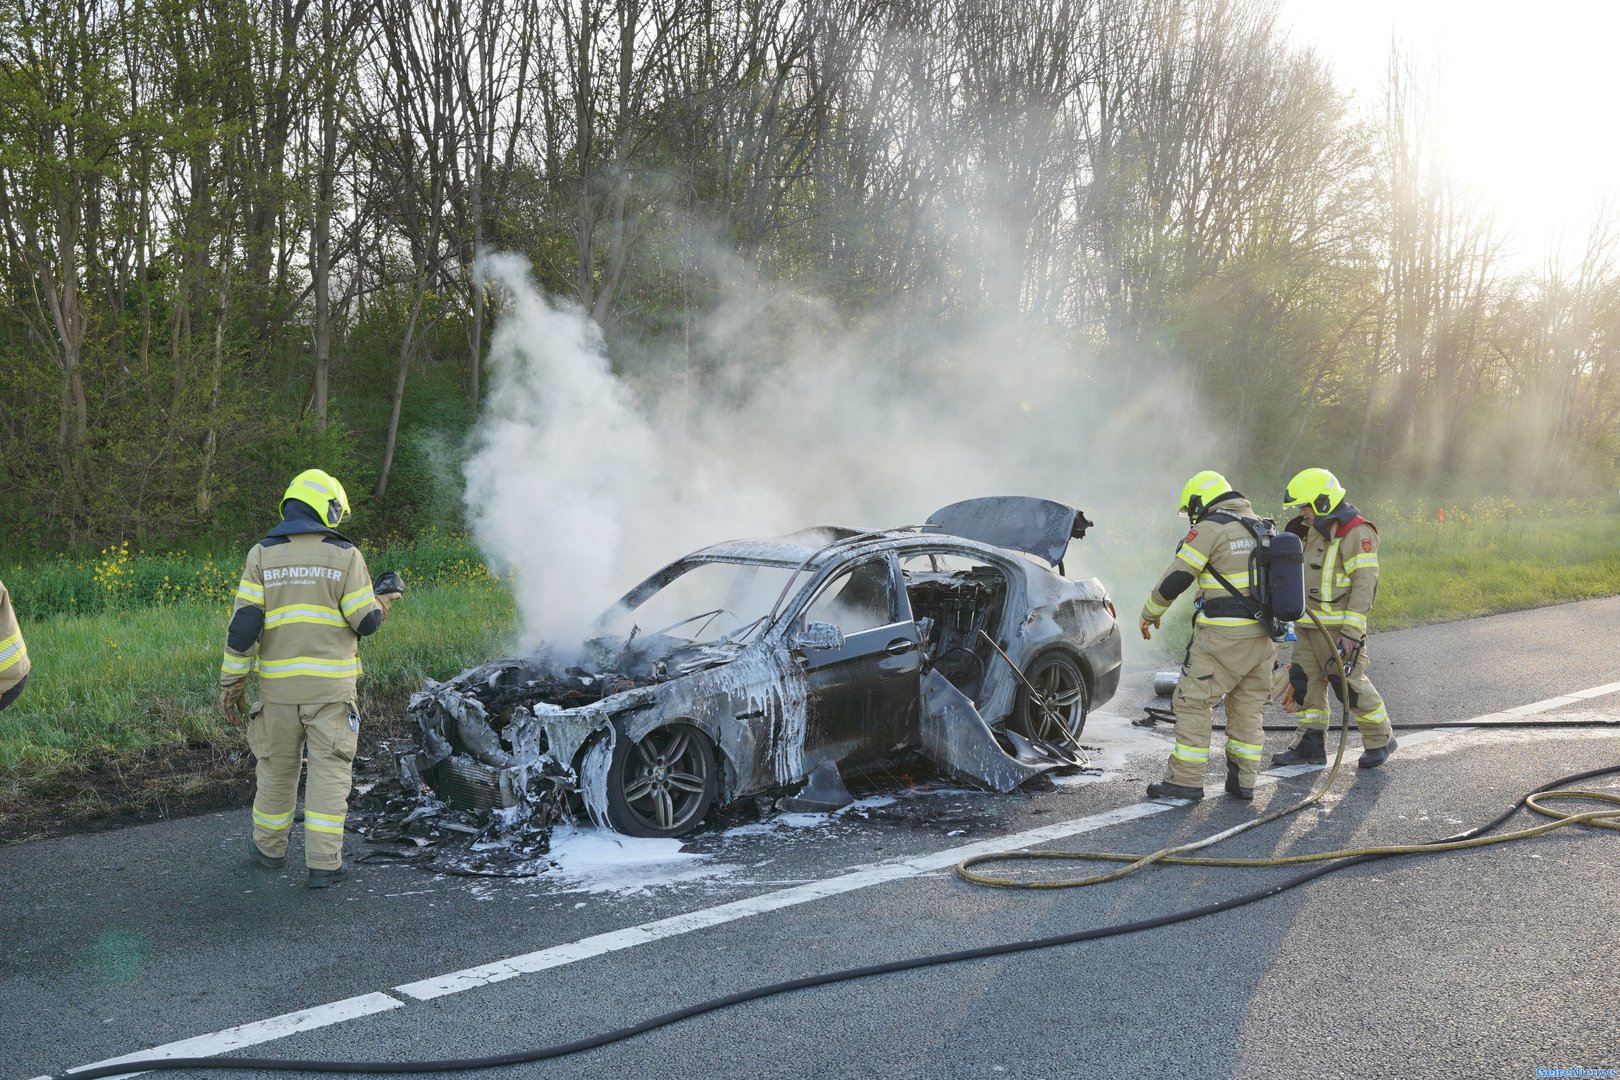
<point x="1282" y="577"/>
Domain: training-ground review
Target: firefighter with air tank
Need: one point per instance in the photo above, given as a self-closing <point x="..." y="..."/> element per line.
<point x="304" y="602"/>
<point x="1232" y="652"/>
<point x="1341" y="580"/>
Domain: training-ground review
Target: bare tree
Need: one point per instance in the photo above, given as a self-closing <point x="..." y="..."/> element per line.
<point x="415" y="138"/>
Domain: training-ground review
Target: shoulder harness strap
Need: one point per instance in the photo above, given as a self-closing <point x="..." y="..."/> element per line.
<point x="1253" y="525"/>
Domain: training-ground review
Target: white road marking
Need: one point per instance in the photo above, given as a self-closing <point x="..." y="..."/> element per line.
<point x="260" y="1031"/>
<point x="1573" y="698"/>
<point x="1407" y="741"/>
<point x="860" y="878"/>
<point x="875" y="874"/>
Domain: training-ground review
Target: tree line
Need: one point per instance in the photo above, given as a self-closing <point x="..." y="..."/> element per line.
<point x="236" y="234"/>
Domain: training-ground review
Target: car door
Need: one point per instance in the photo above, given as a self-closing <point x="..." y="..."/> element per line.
<point x="862" y="696"/>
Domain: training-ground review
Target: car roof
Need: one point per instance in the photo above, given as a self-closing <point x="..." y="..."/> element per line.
<point x="820" y="546"/>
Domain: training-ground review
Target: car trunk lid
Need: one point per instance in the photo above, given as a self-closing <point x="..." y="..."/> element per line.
<point x="1038" y="527"/>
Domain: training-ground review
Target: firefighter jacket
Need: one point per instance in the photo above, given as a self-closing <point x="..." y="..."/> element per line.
<point x="13" y="653"/>
<point x="303" y="604"/>
<point x="1341" y="570"/>
<point x="1212" y="543"/>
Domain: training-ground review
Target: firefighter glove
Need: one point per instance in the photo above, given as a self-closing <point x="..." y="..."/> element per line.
<point x="233" y="702"/>
<point x="388" y="587"/>
<point x="1148" y="625"/>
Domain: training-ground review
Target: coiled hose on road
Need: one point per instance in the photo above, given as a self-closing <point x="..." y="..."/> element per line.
<point x="1332" y="861"/>
<point x="1604" y="819"/>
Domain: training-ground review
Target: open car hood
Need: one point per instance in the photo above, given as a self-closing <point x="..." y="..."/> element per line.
<point x="1038" y="527"/>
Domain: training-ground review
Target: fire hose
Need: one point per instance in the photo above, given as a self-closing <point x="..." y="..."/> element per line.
<point x="1333" y="861"/>
<point x="1174" y="855"/>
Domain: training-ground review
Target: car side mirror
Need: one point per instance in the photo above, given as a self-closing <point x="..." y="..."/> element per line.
<point x="820" y="636"/>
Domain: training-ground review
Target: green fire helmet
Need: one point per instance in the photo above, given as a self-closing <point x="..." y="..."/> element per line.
<point x="1317" y="488"/>
<point x="1204" y="486"/>
<point x="321" y="492"/>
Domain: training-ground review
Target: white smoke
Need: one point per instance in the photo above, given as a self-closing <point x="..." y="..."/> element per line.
<point x="571" y="490"/>
<point x="561" y="458"/>
<point x="580" y="485"/>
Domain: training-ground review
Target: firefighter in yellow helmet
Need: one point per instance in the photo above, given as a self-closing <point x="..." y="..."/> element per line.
<point x="304" y="602"/>
<point x="1341" y="580"/>
<point x="13" y="653"/>
<point x="1231" y="652"/>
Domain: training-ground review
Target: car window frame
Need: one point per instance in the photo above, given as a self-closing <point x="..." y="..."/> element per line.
<point x="900" y="612"/>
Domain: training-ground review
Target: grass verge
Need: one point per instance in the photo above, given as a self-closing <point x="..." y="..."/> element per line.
<point x="120" y="719"/>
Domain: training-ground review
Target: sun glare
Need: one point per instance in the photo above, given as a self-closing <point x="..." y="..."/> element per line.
<point x="1526" y="98"/>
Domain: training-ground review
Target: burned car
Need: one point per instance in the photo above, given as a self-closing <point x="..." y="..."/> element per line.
<point x="779" y="666"/>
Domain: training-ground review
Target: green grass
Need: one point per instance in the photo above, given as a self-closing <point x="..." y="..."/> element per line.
<point x="129" y="680"/>
<point x="1440" y="575"/>
<point x="121" y="578"/>
<point x="1488" y="556"/>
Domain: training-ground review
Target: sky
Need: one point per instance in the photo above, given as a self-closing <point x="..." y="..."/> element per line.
<point x="1528" y="92"/>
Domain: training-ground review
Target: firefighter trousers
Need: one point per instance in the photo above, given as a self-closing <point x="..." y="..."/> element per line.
<point x="1234" y="662"/>
<point x="1314" y="652"/>
<point x="279" y="736"/>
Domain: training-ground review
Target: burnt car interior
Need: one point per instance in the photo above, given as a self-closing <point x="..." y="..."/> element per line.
<point x="952" y="599"/>
<point x="856" y="600"/>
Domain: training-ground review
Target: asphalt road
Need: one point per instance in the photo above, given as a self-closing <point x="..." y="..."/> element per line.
<point x="1492" y="963"/>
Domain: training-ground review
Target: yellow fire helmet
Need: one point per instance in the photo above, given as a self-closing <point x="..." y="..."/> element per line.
<point x="1317" y="488"/>
<point x="1204" y="486"/>
<point x="321" y="492"/>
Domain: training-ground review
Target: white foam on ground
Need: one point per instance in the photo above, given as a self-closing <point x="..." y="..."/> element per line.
<point x="1118" y="742"/>
<point x="585" y="860"/>
<point x="779" y="823"/>
<point x="784" y="823"/>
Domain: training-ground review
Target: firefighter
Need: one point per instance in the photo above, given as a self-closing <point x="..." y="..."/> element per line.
<point x="1231" y="652"/>
<point x="1341" y="580"/>
<point x="304" y="602"/>
<point x="13" y="653"/>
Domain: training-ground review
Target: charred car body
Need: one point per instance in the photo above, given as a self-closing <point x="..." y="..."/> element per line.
<point x="764" y="666"/>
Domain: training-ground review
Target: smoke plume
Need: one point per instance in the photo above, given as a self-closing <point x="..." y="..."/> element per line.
<point x="580" y="483"/>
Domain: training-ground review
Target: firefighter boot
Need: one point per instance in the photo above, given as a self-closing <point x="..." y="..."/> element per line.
<point x="267" y="861"/>
<point x="1371" y="759"/>
<point x="1233" y="788"/>
<point x="1307" y="750"/>
<point x="320" y="879"/>
<point x="1164" y="789"/>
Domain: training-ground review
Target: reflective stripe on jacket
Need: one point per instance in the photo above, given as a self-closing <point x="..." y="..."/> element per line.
<point x="1224" y="546"/>
<point x="14" y="661"/>
<point x="315" y="591"/>
<point x="1341" y="573"/>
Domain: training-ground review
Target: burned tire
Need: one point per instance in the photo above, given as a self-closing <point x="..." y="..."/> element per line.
<point x="1057" y="712"/>
<point x="662" y="785"/>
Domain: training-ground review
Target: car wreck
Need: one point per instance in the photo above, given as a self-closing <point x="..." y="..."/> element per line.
<point x="778" y="667"/>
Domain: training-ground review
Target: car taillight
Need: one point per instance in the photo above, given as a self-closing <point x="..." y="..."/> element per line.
<point x="1111" y="613"/>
